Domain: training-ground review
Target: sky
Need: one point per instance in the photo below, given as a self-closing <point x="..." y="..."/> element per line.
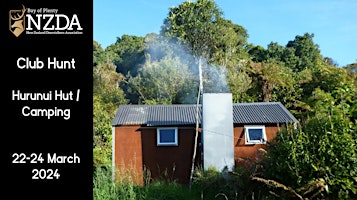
<point x="333" y="22"/>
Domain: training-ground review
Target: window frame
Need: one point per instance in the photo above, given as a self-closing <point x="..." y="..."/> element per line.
<point x="159" y="143"/>
<point x="247" y="138"/>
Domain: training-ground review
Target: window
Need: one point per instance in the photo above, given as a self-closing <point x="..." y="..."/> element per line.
<point x="167" y="137"/>
<point x="255" y="134"/>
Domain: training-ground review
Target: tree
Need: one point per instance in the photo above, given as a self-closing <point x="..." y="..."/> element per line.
<point x="352" y="70"/>
<point x="336" y="89"/>
<point x="330" y="61"/>
<point x="239" y="83"/>
<point x="257" y="53"/>
<point x="167" y="81"/>
<point x="106" y="84"/>
<point x="325" y="146"/>
<point x="98" y="54"/>
<point x="201" y="27"/>
<point x="193" y="24"/>
<point x="217" y="44"/>
<point x="127" y="54"/>
<point x="107" y="96"/>
<point x="229" y="47"/>
<point x="306" y="50"/>
<point x="270" y="75"/>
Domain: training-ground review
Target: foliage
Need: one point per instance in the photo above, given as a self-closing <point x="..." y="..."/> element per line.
<point x="214" y="184"/>
<point x="104" y="188"/>
<point x="98" y="54"/>
<point x="331" y="87"/>
<point x="202" y="29"/>
<point x="127" y="54"/>
<point x="163" y="82"/>
<point x="299" y="54"/>
<point x="192" y="23"/>
<point x="306" y="50"/>
<point x="270" y="76"/>
<point x="308" y="191"/>
<point x="239" y="82"/>
<point x="167" y="191"/>
<point x="107" y="96"/>
<point x="102" y="137"/>
<point x="324" y="149"/>
<point x="106" y="85"/>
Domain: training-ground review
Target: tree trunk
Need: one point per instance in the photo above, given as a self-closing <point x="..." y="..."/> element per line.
<point x="267" y="91"/>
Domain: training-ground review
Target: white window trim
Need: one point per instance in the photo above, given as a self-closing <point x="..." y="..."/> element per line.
<point x="165" y="143"/>
<point x="246" y="135"/>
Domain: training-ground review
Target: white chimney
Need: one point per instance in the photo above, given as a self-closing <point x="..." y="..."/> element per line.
<point x="218" y="135"/>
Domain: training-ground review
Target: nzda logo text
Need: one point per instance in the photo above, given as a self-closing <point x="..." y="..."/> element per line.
<point x="43" y="21"/>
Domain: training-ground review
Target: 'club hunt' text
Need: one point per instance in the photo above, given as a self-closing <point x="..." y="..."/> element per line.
<point x="52" y="63"/>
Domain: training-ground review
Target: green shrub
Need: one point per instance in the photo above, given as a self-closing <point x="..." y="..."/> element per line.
<point x="324" y="149"/>
<point x="213" y="184"/>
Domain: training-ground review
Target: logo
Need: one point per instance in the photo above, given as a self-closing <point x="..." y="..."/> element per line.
<point x="17" y="21"/>
<point x="43" y="21"/>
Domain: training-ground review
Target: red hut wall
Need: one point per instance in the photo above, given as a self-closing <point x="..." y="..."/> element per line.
<point x="246" y="154"/>
<point x="169" y="162"/>
<point x="136" y="149"/>
<point x="128" y="153"/>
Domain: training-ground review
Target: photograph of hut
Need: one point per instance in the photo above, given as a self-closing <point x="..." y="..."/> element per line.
<point x="161" y="138"/>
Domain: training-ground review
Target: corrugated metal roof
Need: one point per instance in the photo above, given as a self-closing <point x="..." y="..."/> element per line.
<point x="185" y="114"/>
<point x="156" y="115"/>
<point x="265" y="112"/>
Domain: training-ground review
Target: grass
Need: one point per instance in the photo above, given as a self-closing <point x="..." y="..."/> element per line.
<point x="104" y="188"/>
<point x="208" y="185"/>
